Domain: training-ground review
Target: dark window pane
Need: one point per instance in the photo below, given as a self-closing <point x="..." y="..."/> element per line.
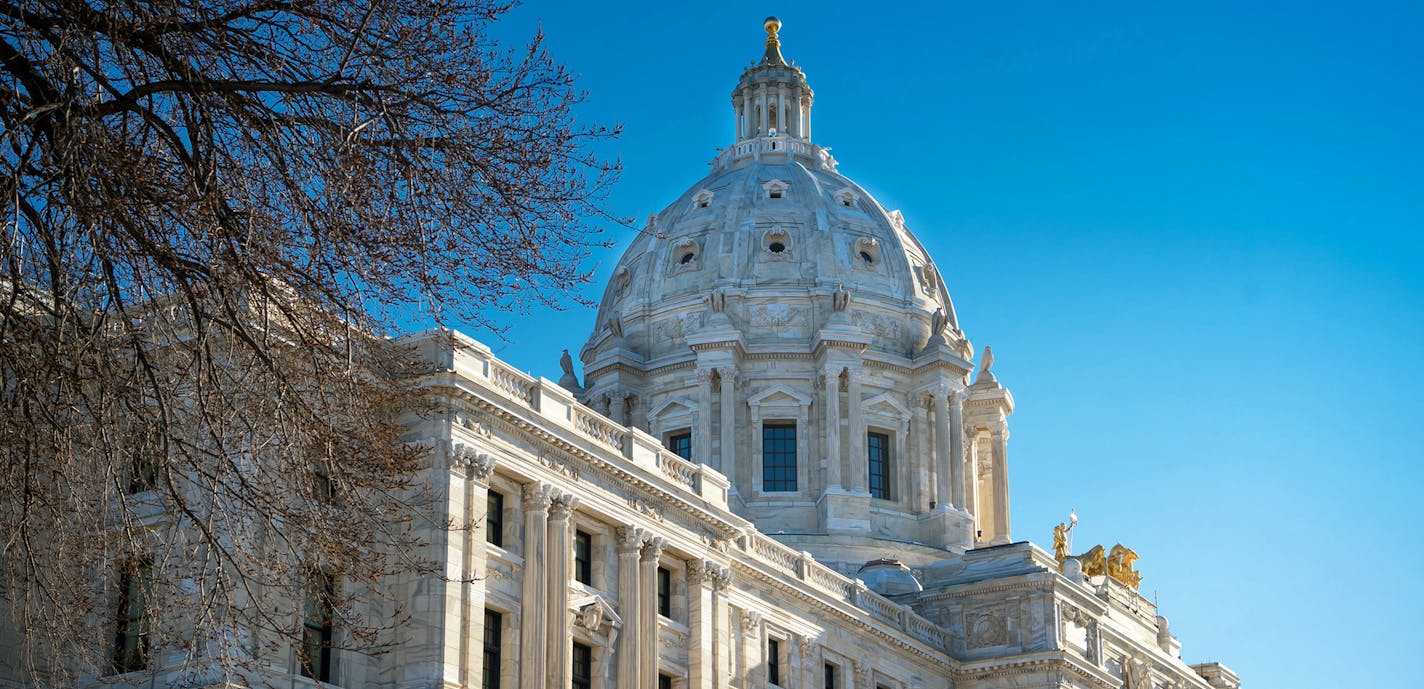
<point x="681" y="445"/>
<point x="664" y="593"/>
<point x="773" y="661"/>
<point x="830" y="680"/>
<point x="131" y="628"/>
<point x="583" y="557"/>
<point x="492" y="644"/>
<point x="494" y="519"/>
<point x="315" y="653"/>
<point x="778" y="457"/>
<point x="664" y="682"/>
<point x="877" y="450"/>
<point x="583" y="667"/>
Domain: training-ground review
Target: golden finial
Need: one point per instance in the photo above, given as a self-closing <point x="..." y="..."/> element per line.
<point x="773" y="44"/>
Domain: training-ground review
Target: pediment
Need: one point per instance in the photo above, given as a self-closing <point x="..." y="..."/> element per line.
<point x="673" y="407"/>
<point x="886" y="404"/>
<point x="594" y="613"/>
<point x="779" y="395"/>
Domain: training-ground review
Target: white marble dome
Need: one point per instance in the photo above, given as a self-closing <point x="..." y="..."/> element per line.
<point x="779" y="325"/>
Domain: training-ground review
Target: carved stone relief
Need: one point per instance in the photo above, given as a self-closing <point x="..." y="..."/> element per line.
<point x="987" y="627"/>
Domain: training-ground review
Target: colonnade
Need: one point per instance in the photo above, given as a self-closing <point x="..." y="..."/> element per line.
<point x="790" y="102"/>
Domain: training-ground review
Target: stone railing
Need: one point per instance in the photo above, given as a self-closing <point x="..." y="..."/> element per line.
<point x="678" y="470"/>
<point x="599" y="428"/>
<point x="522" y="387"/>
<point x="804" y="568"/>
<point x="774" y="144"/>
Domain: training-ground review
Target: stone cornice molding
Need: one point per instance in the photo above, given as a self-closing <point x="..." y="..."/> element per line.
<point x="1038" y="662"/>
<point x="565" y="457"/>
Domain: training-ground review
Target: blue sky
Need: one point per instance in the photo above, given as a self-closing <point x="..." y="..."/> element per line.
<point x="1192" y="235"/>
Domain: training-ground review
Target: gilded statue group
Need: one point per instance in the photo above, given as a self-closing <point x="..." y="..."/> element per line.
<point x="1116" y="564"/>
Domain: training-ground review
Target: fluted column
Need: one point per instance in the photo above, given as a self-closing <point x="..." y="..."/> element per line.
<point x="800" y="115"/>
<point x="944" y="493"/>
<point x="533" y="604"/>
<point x="648" y="612"/>
<point x="561" y="550"/>
<point x="923" y="460"/>
<point x="702" y="439"/>
<point x="746" y="129"/>
<point x="972" y="503"/>
<point x="630" y="544"/>
<point x="956" y="448"/>
<point x="859" y="466"/>
<point x="728" y="458"/>
<point x="1000" y="440"/>
<point x="832" y="379"/>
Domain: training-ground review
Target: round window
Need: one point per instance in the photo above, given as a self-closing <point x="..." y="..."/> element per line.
<point x="865" y="256"/>
<point x="776" y="247"/>
<point x="687" y="258"/>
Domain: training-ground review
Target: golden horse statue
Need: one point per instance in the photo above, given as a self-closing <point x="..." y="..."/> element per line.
<point x="1119" y="564"/>
<point x="1093" y="561"/>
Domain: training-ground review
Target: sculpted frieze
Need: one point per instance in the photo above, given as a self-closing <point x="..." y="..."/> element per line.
<point x="987" y="627"/>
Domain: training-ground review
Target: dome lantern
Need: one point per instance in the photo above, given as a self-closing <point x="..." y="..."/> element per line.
<point x="772" y="98"/>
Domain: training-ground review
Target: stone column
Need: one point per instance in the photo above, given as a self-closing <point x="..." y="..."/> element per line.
<point x="560" y="552"/>
<point x="728" y="455"/>
<point x="648" y="612"/>
<point x="833" y="428"/>
<point x="1000" y="440"/>
<point x="706" y="649"/>
<point x="618" y="407"/>
<point x="971" y="476"/>
<point x="800" y="116"/>
<point x="859" y="465"/>
<point x="471" y="505"/>
<point x="534" y="591"/>
<point x="922" y="459"/>
<point x="956" y="448"/>
<point x="944" y="491"/>
<point x="754" y="663"/>
<point x="702" y="438"/>
<point x="745" y="128"/>
<point x="630" y="542"/>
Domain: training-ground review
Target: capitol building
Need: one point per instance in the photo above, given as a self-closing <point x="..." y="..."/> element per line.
<point x="785" y="465"/>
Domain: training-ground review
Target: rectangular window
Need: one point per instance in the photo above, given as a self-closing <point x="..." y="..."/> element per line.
<point x="143" y="461"/>
<point x="494" y="519"/>
<point x="131" y="628"/>
<point x="664" y="682"/>
<point x="664" y="593"/>
<point x="583" y="667"/>
<point x="778" y="457"/>
<point x="583" y="558"/>
<point x="680" y="444"/>
<point x="773" y="661"/>
<point x="877" y="451"/>
<point x="830" y="677"/>
<point x="492" y="644"/>
<point x="315" y="652"/>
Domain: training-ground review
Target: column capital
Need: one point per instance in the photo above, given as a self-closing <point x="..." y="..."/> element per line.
<point x="653" y="547"/>
<point x="471" y="465"/>
<point x="704" y="374"/>
<point x="561" y="507"/>
<point x="629" y="539"/>
<point x="710" y="574"/>
<point x="538" y="496"/>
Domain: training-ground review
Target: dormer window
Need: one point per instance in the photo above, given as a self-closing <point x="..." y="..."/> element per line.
<point x="686" y="255"/>
<point x="703" y="199"/>
<point x="867" y="251"/>
<point x="775" y="189"/>
<point x="847" y="198"/>
<point x="777" y="242"/>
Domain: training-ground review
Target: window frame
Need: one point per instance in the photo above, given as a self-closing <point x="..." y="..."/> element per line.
<point x="583" y="557"/>
<point x="323" y="631"/>
<point x="773" y="661"/>
<point x="578" y="680"/>
<point x="493" y="649"/>
<point x="671" y="442"/>
<point x="887" y="473"/>
<point x="132" y="650"/>
<point x="494" y="518"/>
<point x="787" y="463"/>
<point x="664" y="586"/>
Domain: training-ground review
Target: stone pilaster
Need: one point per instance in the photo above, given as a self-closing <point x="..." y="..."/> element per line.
<point x="999" y="442"/>
<point x="630" y="544"/>
<point x="832" y="380"/>
<point x="702" y="438"/>
<point x="468" y="505"/>
<point x="560" y="548"/>
<point x="956" y="449"/>
<point x="944" y="475"/>
<point x="648" y="612"/>
<point x="754" y="660"/>
<point x="534" y="591"/>
<point x="728" y="425"/>
<point x="859" y="465"/>
<point x="706" y="582"/>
